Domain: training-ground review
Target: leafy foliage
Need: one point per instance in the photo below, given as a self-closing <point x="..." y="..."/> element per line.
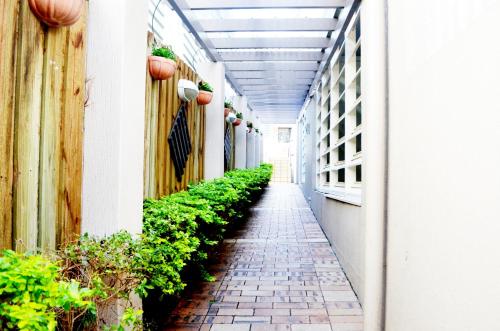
<point x="204" y="86"/>
<point x="32" y="294"/>
<point x="88" y="275"/>
<point x="228" y="104"/>
<point x="165" y="52"/>
<point x="239" y="115"/>
<point x="181" y="230"/>
<point x="249" y="124"/>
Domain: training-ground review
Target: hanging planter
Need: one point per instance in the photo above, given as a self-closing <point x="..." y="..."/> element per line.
<point x="206" y="93"/>
<point x="162" y="63"/>
<point x="57" y="13"/>
<point x="249" y="126"/>
<point x="239" y="118"/>
<point x="228" y="106"/>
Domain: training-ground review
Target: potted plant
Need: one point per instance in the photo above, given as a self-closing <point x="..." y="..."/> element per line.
<point x="162" y="63"/>
<point x="57" y="13"/>
<point x="249" y="126"/>
<point x="206" y="93"/>
<point x="256" y="131"/>
<point x="239" y="118"/>
<point x="228" y="106"/>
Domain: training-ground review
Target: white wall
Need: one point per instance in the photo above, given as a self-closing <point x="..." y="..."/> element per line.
<point x="444" y="184"/>
<point x="214" y="120"/>
<point x="343" y="223"/>
<point x="114" y="120"/>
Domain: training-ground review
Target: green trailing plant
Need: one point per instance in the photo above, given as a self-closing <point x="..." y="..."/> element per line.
<point x="204" y="86"/>
<point x="228" y="104"/>
<point x="164" y="51"/>
<point x="239" y="115"/>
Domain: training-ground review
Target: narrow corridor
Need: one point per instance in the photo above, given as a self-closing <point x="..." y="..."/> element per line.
<point x="278" y="273"/>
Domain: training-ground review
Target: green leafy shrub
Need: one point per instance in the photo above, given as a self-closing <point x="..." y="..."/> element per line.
<point x="181" y="230"/>
<point x="204" y="86"/>
<point x="32" y="294"/>
<point x="165" y="52"/>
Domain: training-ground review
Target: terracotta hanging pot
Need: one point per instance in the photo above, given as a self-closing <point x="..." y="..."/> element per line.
<point x="226" y="111"/>
<point x="204" y="98"/>
<point x="57" y="13"/>
<point x="237" y="122"/>
<point x="161" y="68"/>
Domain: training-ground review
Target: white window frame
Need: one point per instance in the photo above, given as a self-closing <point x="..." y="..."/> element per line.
<point x="328" y="122"/>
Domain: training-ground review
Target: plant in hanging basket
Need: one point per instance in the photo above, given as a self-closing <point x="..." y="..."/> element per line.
<point x="206" y="93"/>
<point x="249" y="126"/>
<point x="228" y="106"/>
<point x="239" y="118"/>
<point x="162" y="63"/>
<point x="57" y="13"/>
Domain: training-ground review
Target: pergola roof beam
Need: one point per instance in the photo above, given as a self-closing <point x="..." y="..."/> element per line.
<point x="292" y="87"/>
<point x="274" y="74"/>
<point x="231" y="56"/>
<point x="272" y="81"/>
<point x="263" y="4"/>
<point x="265" y="66"/>
<point x="312" y="42"/>
<point x="275" y="24"/>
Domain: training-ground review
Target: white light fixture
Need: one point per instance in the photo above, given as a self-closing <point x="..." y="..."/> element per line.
<point x="231" y="118"/>
<point x="187" y="90"/>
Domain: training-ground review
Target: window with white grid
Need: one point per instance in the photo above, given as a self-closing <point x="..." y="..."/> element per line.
<point x="339" y="118"/>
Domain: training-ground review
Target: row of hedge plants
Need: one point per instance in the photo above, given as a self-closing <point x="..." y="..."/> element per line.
<point x="76" y="287"/>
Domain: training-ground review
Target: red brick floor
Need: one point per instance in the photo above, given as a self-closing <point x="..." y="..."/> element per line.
<point x="278" y="273"/>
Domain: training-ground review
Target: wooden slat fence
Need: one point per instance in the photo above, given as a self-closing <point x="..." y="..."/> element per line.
<point x="162" y="105"/>
<point x="42" y="100"/>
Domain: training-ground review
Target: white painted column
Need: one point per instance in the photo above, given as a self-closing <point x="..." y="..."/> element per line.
<point x="114" y="120"/>
<point x="240" y="139"/>
<point x="214" y="74"/>
<point x="374" y="160"/>
<point x="258" y="141"/>
<point x="250" y="149"/>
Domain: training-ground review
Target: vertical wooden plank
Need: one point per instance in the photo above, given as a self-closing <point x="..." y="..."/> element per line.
<point x="70" y="181"/>
<point x="162" y="139"/>
<point x="192" y="117"/>
<point x="201" y="151"/>
<point x="196" y="146"/>
<point x="174" y="106"/>
<point x="56" y="48"/>
<point x="8" y="43"/>
<point x="147" y="127"/>
<point x="153" y="140"/>
<point x="29" y="68"/>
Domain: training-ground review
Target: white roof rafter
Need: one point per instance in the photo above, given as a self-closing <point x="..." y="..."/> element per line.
<point x="271" y="49"/>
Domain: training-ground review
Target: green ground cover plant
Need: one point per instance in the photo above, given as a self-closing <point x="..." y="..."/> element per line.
<point x="73" y="289"/>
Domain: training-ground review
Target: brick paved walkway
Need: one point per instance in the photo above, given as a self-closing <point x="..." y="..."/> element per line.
<point x="278" y="273"/>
